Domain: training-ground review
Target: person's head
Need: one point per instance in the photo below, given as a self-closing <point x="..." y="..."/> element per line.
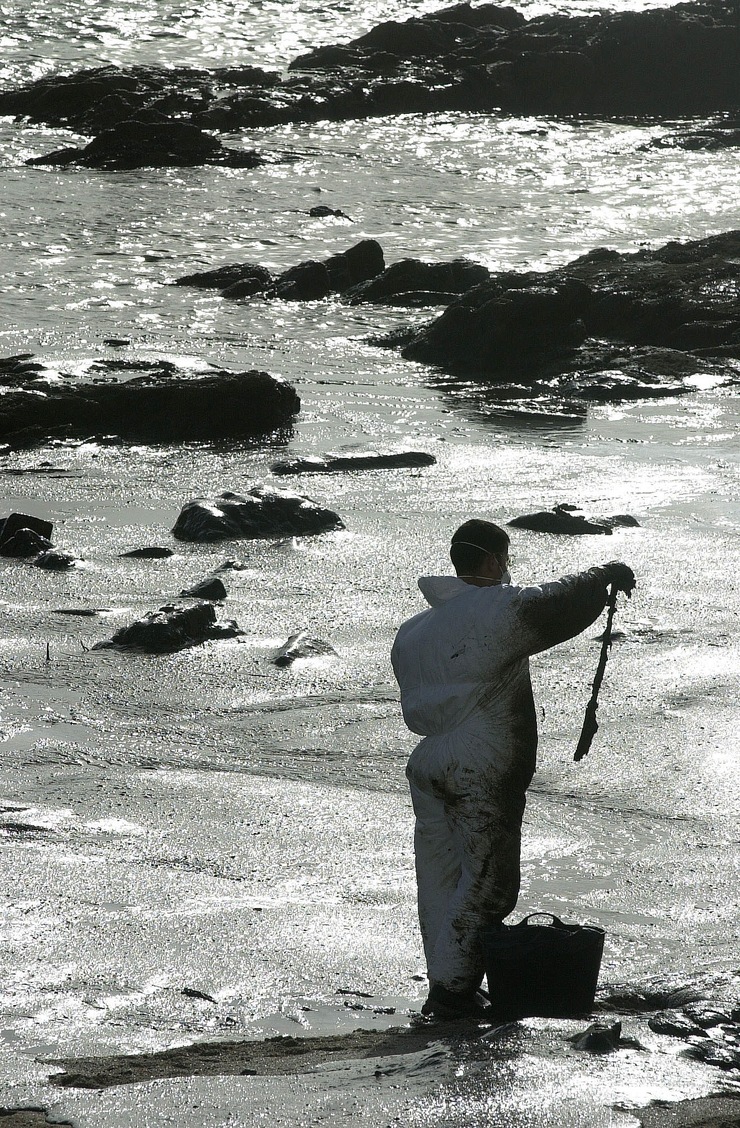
<point x="480" y="552"/>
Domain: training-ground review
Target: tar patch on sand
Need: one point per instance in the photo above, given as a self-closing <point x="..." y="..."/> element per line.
<point x="28" y="1118"/>
<point x="271" y="1057"/>
<point x="706" y="1112"/>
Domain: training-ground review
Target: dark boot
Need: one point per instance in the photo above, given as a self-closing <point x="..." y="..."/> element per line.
<point x="442" y="1003"/>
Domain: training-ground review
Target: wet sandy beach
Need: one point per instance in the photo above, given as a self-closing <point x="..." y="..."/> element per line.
<point x="203" y="850"/>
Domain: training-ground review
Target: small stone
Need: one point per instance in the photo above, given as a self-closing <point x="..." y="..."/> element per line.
<point x="151" y="552"/>
<point x="211" y="588"/>
<point x="676" y="1024"/>
<point x="55" y="561"/>
<point x="599" y="1038"/>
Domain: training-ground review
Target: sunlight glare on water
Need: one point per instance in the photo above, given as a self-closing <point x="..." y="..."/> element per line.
<point x="519" y="193"/>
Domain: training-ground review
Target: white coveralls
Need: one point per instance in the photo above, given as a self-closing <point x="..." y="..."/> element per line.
<point x="463" y="669"/>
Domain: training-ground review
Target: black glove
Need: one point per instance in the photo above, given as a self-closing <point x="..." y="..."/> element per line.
<point x="620" y="575"/>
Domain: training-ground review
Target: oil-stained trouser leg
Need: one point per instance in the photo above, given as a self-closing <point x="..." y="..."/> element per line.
<point x="481" y="843"/>
<point x="438" y="864"/>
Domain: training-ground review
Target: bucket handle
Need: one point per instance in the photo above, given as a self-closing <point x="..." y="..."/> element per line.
<point x="555" y="920"/>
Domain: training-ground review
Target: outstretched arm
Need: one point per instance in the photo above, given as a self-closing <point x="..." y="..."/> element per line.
<point x="554" y="612"/>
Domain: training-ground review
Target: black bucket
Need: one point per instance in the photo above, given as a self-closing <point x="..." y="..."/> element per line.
<point x="550" y="970"/>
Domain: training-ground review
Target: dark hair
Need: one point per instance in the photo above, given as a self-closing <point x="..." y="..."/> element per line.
<point x="475" y="540"/>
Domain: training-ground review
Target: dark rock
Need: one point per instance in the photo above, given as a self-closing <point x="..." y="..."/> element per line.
<point x="17" y="521"/>
<point x="171" y="628"/>
<point x="635" y="372"/>
<point x="19" y="369"/>
<point x="321" y="211"/>
<point x="159" y="367"/>
<point x="495" y="330"/>
<point x="139" y="144"/>
<point x="301" y="645"/>
<point x="553" y="521"/>
<point x="151" y="552"/>
<point x="222" y="405"/>
<point x="656" y="995"/>
<point x="107" y="440"/>
<point x="599" y="1038"/>
<point x="606" y="327"/>
<point x="419" y="299"/>
<point x="357" y="264"/>
<point x="262" y="513"/>
<point x="654" y="62"/>
<point x="102" y="97"/>
<point x="675" y="1024"/>
<point x="211" y="588"/>
<point x="25" y="542"/>
<point x="411" y="276"/>
<point x="561" y="519"/>
<point x="231" y="565"/>
<point x="55" y="561"/>
<point x="697" y="1112"/>
<point x="82" y="612"/>
<point x="706" y="1015"/>
<point x="41" y="468"/>
<point x="332" y="463"/>
<point x="713" y="1053"/>
<point x="24" y="828"/>
<point x="721" y="133"/>
<point x="10" y="363"/>
<point x="193" y="993"/>
<point x="679" y="61"/>
<point x="306" y="281"/>
<point x="248" y="274"/>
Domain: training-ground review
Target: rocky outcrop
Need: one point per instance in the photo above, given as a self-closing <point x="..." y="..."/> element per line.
<point x="219" y="405"/>
<point x="261" y="513"/>
<point x="413" y="282"/>
<point x="607" y="326"/>
<point x="359" y="274"/>
<point x="564" y="520"/>
<point x="306" y="281"/>
<point x="253" y="278"/>
<point x="18" y="370"/>
<point x="142" y="144"/>
<point x="334" y="463"/>
<point x="100" y="98"/>
<point x="675" y="61"/>
<point x="171" y="628"/>
<point x="660" y="61"/>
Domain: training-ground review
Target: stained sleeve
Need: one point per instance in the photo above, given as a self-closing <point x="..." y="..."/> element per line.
<point x="554" y="612"/>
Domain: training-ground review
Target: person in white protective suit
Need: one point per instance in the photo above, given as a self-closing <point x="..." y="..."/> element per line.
<point x="463" y="669"/>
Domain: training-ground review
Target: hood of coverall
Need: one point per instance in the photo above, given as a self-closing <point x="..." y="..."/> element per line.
<point x="439" y="589"/>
